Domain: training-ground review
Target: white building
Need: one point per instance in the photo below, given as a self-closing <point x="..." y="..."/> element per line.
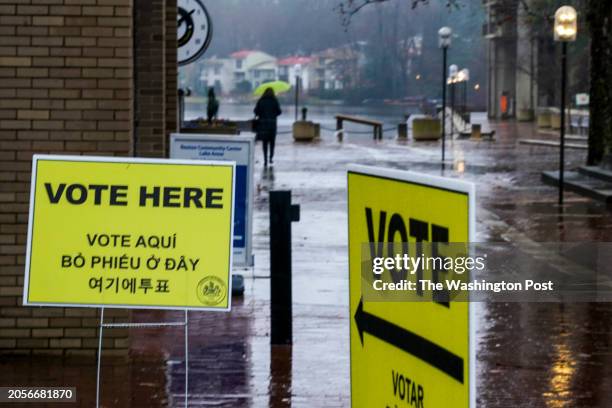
<point x="241" y="71"/>
<point x="218" y="73"/>
<point x="254" y="67"/>
<point x="291" y="68"/>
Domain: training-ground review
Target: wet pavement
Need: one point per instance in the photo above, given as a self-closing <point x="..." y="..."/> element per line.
<point x="528" y="354"/>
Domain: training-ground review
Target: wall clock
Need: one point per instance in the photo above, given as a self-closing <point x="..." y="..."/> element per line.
<point x="194" y="30"/>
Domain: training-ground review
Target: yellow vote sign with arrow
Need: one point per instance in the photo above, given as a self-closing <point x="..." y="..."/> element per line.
<point x="412" y="351"/>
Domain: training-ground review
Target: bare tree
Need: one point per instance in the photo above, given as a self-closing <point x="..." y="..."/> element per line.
<point x="599" y="20"/>
<point x="599" y="16"/>
<point x="349" y="8"/>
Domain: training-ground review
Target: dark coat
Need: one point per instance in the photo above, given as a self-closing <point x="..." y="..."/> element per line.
<point x="212" y="108"/>
<point x="266" y="111"/>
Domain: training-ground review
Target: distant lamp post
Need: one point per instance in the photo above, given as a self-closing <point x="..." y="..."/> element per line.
<point x="565" y="30"/>
<point x="465" y="77"/>
<point x="453" y="73"/>
<point x="566" y="24"/>
<point x="297" y="70"/>
<point x="444" y="41"/>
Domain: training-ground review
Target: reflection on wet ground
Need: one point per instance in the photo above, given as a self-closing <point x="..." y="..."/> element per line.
<point x="545" y="355"/>
<point x="528" y="354"/>
<point x="140" y="382"/>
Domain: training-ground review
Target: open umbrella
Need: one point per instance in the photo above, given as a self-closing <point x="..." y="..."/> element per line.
<point x="278" y="87"/>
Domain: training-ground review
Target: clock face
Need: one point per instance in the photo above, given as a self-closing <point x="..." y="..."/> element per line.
<point x="194" y="30"/>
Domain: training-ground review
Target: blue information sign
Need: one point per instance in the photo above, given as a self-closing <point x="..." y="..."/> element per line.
<point x="239" y="149"/>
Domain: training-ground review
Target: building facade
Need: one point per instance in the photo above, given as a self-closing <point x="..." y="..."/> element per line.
<point x="297" y="69"/>
<point x="218" y="73"/>
<point x="337" y="68"/>
<point x="512" y="60"/>
<point x="253" y="68"/>
<point x="331" y="69"/>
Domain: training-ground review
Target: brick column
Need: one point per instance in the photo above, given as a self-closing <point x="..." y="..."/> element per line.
<point x="171" y="69"/>
<point x="65" y="87"/>
<point x="68" y="85"/>
<point x="150" y="59"/>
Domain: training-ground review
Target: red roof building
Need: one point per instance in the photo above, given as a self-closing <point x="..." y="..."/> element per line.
<point x="291" y="61"/>
<point x="242" y="54"/>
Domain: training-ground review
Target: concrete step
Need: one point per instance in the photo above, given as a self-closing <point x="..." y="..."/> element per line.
<point x="552" y="143"/>
<point x="571" y="138"/>
<point x="596" y="172"/>
<point x="555" y="134"/>
<point x="581" y="184"/>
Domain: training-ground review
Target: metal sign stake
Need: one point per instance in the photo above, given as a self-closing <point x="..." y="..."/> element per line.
<point x="101" y="327"/>
<point x="184" y="323"/>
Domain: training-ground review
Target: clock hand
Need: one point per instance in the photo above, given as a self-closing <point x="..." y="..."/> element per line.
<point x="184" y="17"/>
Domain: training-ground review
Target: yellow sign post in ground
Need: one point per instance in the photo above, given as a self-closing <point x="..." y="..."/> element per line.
<point x="133" y="233"/>
<point x="407" y="353"/>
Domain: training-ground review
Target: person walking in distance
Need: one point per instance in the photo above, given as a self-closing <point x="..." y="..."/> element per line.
<point x="212" y="107"/>
<point x="267" y="111"/>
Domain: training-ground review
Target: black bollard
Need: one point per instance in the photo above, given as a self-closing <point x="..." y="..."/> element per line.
<point x="282" y="213"/>
<point x="304" y="113"/>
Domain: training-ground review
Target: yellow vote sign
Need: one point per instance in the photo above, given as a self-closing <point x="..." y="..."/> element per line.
<point x="407" y="353"/>
<point x="132" y="233"/>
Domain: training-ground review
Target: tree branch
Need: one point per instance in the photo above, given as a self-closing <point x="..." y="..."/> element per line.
<point x="348" y="8"/>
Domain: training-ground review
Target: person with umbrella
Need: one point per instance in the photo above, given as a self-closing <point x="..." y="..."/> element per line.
<point x="266" y="112"/>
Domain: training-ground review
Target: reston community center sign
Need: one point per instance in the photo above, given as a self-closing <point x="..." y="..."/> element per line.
<point x="407" y="353"/>
<point x="134" y="233"/>
<point x="238" y="149"/>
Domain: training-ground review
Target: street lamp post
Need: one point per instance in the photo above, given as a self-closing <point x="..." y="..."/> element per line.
<point x="298" y="74"/>
<point x="452" y="105"/>
<point x="565" y="30"/>
<point x="444" y="41"/>
<point x="466" y="78"/>
<point x="453" y="73"/>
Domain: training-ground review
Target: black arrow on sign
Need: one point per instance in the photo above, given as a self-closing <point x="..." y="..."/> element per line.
<point x="409" y="342"/>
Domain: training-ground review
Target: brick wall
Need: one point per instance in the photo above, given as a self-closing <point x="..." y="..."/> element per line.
<point x="67" y="85"/>
<point x="151" y="79"/>
<point x="156" y="80"/>
<point x="171" y="69"/>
